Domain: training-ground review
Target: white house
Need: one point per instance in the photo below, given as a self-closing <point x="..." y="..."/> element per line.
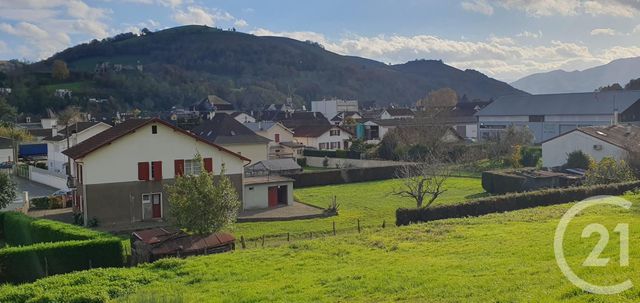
<point x="282" y="144"/>
<point x="243" y="117"/>
<point x="397" y="113"/>
<point x="596" y="141"/>
<point x="121" y="172"/>
<point x="330" y="108"/>
<point x="78" y="132"/>
<point x="323" y="137"/>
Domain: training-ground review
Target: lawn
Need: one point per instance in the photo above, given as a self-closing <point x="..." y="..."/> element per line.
<point x="369" y="202"/>
<point x="496" y="258"/>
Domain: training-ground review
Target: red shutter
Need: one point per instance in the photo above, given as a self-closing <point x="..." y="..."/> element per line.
<point x="179" y="167"/>
<point x="277" y="138"/>
<point x="208" y="164"/>
<point x="157" y="170"/>
<point x="143" y="171"/>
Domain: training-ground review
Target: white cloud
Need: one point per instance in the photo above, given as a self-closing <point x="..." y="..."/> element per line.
<point x="603" y="32"/>
<point x="539" y="8"/>
<point x="3" y="47"/>
<point x="528" y="34"/>
<point x="201" y="15"/>
<point x="241" y="23"/>
<point x="478" y="6"/>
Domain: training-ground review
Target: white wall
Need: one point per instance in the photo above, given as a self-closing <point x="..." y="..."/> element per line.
<point x="56" y="160"/>
<point x="6" y="155"/>
<point x="285" y="134"/>
<point x="46" y="177"/>
<point x="256" y="196"/>
<point x="554" y="152"/>
<point x="346" y="163"/>
<point x="255" y="152"/>
<point x="503" y="119"/>
<point x="118" y="161"/>
<point x="386" y="116"/>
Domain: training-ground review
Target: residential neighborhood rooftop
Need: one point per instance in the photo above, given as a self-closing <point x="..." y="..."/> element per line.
<point x="223" y="129"/>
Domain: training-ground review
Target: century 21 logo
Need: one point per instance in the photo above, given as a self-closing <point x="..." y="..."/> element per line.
<point x="594" y="259"/>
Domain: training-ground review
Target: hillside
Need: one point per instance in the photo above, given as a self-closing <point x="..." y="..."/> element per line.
<point x="185" y="63"/>
<point x="507" y="257"/>
<point x="559" y="81"/>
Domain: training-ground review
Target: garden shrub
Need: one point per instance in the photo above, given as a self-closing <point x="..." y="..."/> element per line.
<point x="41" y="247"/>
<point x="341" y="176"/>
<point x="302" y="162"/>
<point x="578" y="159"/>
<point x="531" y="156"/>
<point x="510" y="202"/>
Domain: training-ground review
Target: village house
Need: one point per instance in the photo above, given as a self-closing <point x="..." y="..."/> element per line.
<point x="323" y="137"/>
<point x="211" y="105"/>
<point x="120" y="174"/>
<point x="282" y="144"/>
<point x="595" y="141"/>
<point x="243" y="117"/>
<point x="330" y="108"/>
<point x="57" y="142"/>
<point x="462" y="118"/>
<point x="548" y="116"/>
<point x="227" y="132"/>
<point x="346" y="118"/>
<point x="397" y="113"/>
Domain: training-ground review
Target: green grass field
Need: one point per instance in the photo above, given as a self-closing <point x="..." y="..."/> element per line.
<point x="368" y="201"/>
<point x="496" y="258"/>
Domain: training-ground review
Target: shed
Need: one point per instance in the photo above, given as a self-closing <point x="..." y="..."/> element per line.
<point x="267" y="192"/>
<point x="284" y="166"/>
<point x="153" y="244"/>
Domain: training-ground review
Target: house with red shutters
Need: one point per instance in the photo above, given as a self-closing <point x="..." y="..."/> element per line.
<point x="120" y="174"/>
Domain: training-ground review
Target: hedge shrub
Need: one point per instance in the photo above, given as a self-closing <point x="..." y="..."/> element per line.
<point x="341" y="176"/>
<point x="41" y="247"/>
<point x="28" y="263"/>
<point x="510" y="202"/>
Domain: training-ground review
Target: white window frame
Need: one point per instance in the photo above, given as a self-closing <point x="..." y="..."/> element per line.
<point x="191" y="169"/>
<point x="150" y="202"/>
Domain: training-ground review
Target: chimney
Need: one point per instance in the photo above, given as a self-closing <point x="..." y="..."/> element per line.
<point x="615" y="117"/>
<point x="260" y="125"/>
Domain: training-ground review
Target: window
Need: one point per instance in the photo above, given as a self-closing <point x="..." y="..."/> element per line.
<point x="323" y="145"/>
<point x="154" y="129"/>
<point x="334" y="132"/>
<point x="192" y="167"/>
<point x="156" y="170"/>
<point x="536" y="118"/>
<point x="277" y="138"/>
<point x="335" y="145"/>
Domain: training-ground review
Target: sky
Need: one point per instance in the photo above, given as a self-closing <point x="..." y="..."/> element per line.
<point x="505" y="39"/>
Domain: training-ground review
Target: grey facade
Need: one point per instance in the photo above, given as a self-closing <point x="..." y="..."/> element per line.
<point x="121" y="203"/>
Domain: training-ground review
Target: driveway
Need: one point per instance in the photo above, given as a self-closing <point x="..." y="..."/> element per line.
<point x="35" y="190"/>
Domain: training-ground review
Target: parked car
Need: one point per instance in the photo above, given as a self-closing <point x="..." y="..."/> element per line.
<point x="65" y="195"/>
<point x="6" y="165"/>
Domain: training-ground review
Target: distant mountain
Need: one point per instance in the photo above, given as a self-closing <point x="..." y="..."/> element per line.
<point x="559" y="81"/>
<point x="181" y="65"/>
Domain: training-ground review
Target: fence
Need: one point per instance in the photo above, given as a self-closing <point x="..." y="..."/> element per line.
<point x="333" y="229"/>
<point x="348" y="163"/>
<point x="331" y="153"/>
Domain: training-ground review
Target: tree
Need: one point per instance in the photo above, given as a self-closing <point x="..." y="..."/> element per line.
<point x="612" y="87"/>
<point x="634" y="84"/>
<point x="67" y="117"/>
<point x="203" y="204"/>
<point x="7" y="190"/>
<point x="422" y="181"/>
<point x="608" y="171"/>
<point x="59" y="70"/>
<point x="444" y="97"/>
<point x="578" y="159"/>
<point x="507" y="141"/>
<point x="7" y="112"/>
<point x="17" y="135"/>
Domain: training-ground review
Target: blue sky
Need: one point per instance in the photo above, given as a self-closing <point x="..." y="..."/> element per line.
<point x="506" y="39"/>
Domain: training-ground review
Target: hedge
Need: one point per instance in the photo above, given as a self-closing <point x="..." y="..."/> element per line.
<point x="331" y="153"/>
<point x="341" y="176"/>
<point x="21" y="229"/>
<point x="510" y="202"/>
<point x="28" y="263"/>
<point x="39" y="247"/>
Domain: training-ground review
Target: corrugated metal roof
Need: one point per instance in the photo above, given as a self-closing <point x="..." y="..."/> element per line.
<point x="595" y="103"/>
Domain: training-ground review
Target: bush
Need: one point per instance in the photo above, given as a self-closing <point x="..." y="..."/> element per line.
<point x="608" y="171"/>
<point x="28" y="263"/>
<point x="510" y="202"/>
<point x="531" y="156"/>
<point x="47" y="202"/>
<point x="578" y="159"/>
<point x="45" y="247"/>
<point x="302" y="162"/>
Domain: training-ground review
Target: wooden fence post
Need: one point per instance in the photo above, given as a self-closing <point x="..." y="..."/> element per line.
<point x="288" y="237"/>
<point x="262" y="240"/>
<point x="334" y="228"/>
<point x="358" y="225"/>
<point x="384" y="223"/>
<point x="244" y="246"/>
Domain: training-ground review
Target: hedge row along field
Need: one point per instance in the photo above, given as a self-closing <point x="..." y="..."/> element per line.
<point x="509" y="202"/>
<point x="39" y="248"/>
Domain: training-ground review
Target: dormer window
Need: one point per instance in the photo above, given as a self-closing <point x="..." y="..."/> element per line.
<point x="154" y="129"/>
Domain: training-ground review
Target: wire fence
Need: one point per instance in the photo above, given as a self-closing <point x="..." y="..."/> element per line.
<point x="274" y="240"/>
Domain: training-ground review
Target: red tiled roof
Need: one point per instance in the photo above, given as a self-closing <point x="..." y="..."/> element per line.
<point x="125" y="128"/>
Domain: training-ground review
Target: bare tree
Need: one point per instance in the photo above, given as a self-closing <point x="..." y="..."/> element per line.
<point x="424" y="182"/>
<point x="67" y="117"/>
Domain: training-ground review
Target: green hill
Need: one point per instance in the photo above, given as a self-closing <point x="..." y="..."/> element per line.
<point x="182" y="64"/>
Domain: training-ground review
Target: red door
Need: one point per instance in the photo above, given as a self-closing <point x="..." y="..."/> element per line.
<point x="273" y="196"/>
<point x="156" y="206"/>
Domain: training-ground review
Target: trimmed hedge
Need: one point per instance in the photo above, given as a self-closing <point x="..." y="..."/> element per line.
<point x="28" y="263"/>
<point x="331" y="153"/>
<point x="510" y="202"/>
<point x="21" y="229"/>
<point x="43" y="247"/>
<point x="341" y="176"/>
